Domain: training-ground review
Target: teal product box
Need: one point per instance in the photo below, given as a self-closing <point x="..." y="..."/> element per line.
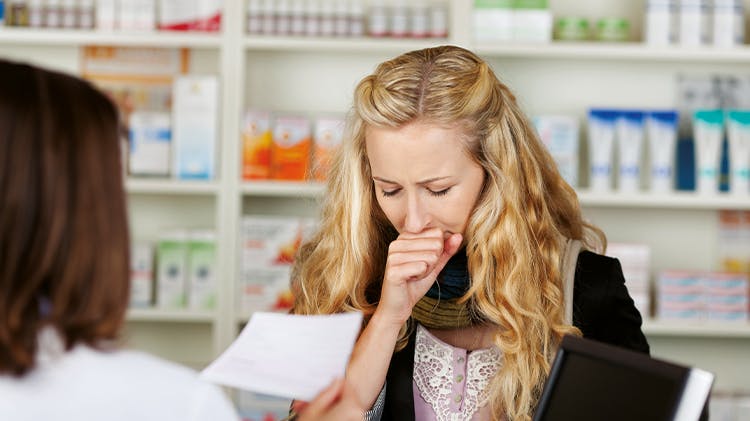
<point x="195" y="126"/>
<point x="171" y="257"/>
<point x="202" y="270"/>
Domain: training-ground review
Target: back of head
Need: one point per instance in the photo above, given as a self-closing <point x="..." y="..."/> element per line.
<point x="63" y="225"/>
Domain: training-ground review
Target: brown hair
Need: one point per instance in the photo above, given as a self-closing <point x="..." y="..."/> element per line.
<point x="63" y="225"/>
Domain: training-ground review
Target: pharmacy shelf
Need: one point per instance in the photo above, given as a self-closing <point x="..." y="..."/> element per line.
<point x="283" y="188"/>
<point x="696" y="329"/>
<point x="617" y="51"/>
<point x="172" y="187"/>
<point x="158" y="315"/>
<point x="676" y="200"/>
<point x="339" y="45"/>
<point x="78" y="37"/>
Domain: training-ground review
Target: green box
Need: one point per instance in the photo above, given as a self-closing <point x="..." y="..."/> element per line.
<point x="171" y="261"/>
<point x="202" y="270"/>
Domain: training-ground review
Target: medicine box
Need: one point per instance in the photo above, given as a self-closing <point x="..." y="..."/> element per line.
<point x="329" y="132"/>
<point x="194" y="116"/>
<point x="257" y="142"/>
<point x="171" y="261"/>
<point x="141" y="275"/>
<point x="202" y="270"/>
<point x="150" y="136"/>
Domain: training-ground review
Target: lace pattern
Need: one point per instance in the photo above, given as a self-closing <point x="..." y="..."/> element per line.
<point x="434" y="376"/>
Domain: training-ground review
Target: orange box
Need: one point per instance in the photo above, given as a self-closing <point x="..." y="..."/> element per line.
<point x="292" y="144"/>
<point x="329" y="132"/>
<point x="257" y="143"/>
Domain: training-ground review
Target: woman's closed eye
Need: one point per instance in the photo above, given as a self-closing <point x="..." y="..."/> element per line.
<point x="439" y="192"/>
<point x="393" y="192"/>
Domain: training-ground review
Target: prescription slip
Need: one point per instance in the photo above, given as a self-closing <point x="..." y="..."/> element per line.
<point x="286" y="355"/>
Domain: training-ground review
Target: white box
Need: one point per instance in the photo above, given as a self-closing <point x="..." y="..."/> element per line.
<point x="694" y="22"/>
<point x="190" y="15"/>
<point x="560" y="135"/>
<point x="150" y="138"/>
<point x="265" y="289"/>
<point x="106" y="14"/>
<point x="493" y="23"/>
<point x="136" y="15"/>
<point x="194" y="126"/>
<point x="141" y="275"/>
<point x="532" y="25"/>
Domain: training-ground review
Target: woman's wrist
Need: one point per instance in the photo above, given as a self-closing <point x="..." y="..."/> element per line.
<point x="385" y="320"/>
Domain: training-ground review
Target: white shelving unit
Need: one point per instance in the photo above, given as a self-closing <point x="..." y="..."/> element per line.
<point x="318" y="75"/>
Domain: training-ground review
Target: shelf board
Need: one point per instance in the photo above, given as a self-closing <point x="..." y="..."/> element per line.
<point x="77" y="37"/>
<point x="283" y="188"/>
<point x="339" y="45"/>
<point x="691" y="329"/>
<point x="169" y="186"/>
<point x="676" y="200"/>
<point x="619" y="51"/>
<point x="158" y="315"/>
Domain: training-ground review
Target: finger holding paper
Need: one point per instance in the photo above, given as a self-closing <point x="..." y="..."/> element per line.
<point x="336" y="403"/>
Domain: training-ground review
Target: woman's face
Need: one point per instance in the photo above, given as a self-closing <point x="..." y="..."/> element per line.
<point x="423" y="177"/>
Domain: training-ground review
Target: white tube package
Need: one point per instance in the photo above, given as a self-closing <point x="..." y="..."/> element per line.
<point x="738" y="130"/>
<point x="629" y="127"/>
<point x="661" y="128"/>
<point x="708" y="130"/>
<point x="601" y="140"/>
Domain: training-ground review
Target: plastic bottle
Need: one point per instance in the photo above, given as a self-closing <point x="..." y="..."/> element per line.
<point x="327" y="18"/>
<point x="36" y="13"/>
<point x="53" y="14"/>
<point x="378" y="22"/>
<point x="268" y="17"/>
<point x="312" y="18"/>
<point x="254" y="17"/>
<point x="439" y="20"/>
<point x="356" y="18"/>
<point x="400" y="20"/>
<point x="298" y="17"/>
<point x="86" y="14"/>
<point x="69" y="14"/>
<point x="420" y="20"/>
<point x="341" y="18"/>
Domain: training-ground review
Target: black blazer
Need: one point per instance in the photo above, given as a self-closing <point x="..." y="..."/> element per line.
<point x="602" y="310"/>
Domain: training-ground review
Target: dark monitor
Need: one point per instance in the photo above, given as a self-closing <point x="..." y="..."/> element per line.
<point x="591" y="381"/>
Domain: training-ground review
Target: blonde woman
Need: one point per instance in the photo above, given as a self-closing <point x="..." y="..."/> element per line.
<point x="447" y="223"/>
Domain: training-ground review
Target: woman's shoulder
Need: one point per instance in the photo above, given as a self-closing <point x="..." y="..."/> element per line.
<point x="593" y="267"/>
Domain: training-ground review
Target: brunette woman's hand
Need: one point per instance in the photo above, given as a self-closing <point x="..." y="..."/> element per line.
<point x="336" y="403"/>
<point x="414" y="261"/>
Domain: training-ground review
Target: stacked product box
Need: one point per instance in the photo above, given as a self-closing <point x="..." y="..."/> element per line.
<point x="288" y="147"/>
<point x="269" y="245"/>
<point x="185" y="267"/>
<point x="635" y="260"/>
<point x="694" y="295"/>
<point x="733" y="241"/>
<point x="512" y="20"/>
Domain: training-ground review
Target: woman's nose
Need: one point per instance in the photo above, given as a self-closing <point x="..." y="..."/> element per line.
<point x="417" y="217"/>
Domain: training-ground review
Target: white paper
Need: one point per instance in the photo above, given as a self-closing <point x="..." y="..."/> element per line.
<point x="287" y="355"/>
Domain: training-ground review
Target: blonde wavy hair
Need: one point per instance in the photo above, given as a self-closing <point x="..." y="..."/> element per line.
<point x="513" y="237"/>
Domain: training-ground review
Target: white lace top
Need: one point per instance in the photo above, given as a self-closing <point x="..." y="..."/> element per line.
<point x="451" y="383"/>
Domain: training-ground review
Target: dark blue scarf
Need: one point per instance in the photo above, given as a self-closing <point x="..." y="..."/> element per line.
<point x="453" y="281"/>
